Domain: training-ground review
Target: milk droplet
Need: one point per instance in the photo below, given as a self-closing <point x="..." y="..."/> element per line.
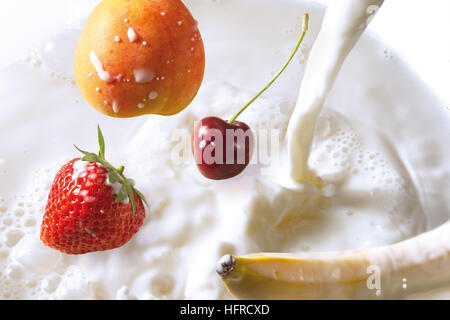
<point x="15" y="271"/>
<point x="115" y="107"/>
<point x="74" y="285"/>
<point x="50" y="283"/>
<point x="102" y="74"/>
<point x="153" y="95"/>
<point x="328" y="191"/>
<point x="132" y="36"/>
<point x="124" y="294"/>
<point x="13" y="237"/>
<point x="143" y="75"/>
<point x="79" y="168"/>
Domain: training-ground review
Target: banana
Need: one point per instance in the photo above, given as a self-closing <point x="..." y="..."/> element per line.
<point x="415" y="265"/>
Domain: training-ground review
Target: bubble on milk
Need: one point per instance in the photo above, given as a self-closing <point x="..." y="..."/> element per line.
<point x="125" y="294"/>
<point x="154" y="284"/>
<point x="74" y="285"/>
<point x="388" y="54"/>
<point x="162" y="284"/>
<point x="340" y="154"/>
<point x="304" y="53"/>
<point x="340" y="151"/>
<point x="334" y="147"/>
<point x="50" y="282"/>
<point x="32" y="57"/>
<point x="23" y="257"/>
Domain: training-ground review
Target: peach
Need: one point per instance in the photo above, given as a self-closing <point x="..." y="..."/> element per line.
<point x="137" y="57"/>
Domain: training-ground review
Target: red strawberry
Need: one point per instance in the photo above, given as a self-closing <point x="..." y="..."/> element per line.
<point x="91" y="206"/>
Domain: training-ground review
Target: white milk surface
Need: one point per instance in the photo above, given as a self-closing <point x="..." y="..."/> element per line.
<point x="380" y="141"/>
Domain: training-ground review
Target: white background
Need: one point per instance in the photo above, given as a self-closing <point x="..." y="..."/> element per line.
<point x="419" y="30"/>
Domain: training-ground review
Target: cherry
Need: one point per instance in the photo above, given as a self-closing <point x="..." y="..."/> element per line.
<point x="223" y="149"/>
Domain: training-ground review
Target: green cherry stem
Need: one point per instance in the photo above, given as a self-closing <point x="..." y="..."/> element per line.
<point x="304" y="29"/>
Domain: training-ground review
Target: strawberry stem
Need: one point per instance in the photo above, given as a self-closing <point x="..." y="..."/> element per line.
<point x="120" y="170"/>
<point x="304" y="29"/>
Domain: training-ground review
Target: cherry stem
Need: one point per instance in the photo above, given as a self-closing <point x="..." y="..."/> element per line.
<point x="304" y="29"/>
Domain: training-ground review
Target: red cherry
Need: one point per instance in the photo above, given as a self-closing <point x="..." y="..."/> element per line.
<point x="221" y="149"/>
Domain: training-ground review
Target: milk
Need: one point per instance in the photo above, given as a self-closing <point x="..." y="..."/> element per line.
<point x="390" y="175"/>
<point x="344" y="22"/>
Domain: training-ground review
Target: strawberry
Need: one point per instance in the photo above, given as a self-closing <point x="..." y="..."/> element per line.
<point x="91" y="206"/>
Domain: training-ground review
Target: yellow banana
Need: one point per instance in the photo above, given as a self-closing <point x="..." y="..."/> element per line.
<point x="410" y="266"/>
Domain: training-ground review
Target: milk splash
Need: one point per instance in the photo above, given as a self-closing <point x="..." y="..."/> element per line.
<point x="344" y="22"/>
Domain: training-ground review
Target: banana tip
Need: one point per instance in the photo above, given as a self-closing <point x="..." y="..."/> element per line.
<point x="225" y="265"/>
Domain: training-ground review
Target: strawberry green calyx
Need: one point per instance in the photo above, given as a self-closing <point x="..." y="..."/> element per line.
<point x="115" y="175"/>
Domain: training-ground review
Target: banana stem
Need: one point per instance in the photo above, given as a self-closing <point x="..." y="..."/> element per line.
<point x="304" y="29"/>
<point x="225" y="265"/>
